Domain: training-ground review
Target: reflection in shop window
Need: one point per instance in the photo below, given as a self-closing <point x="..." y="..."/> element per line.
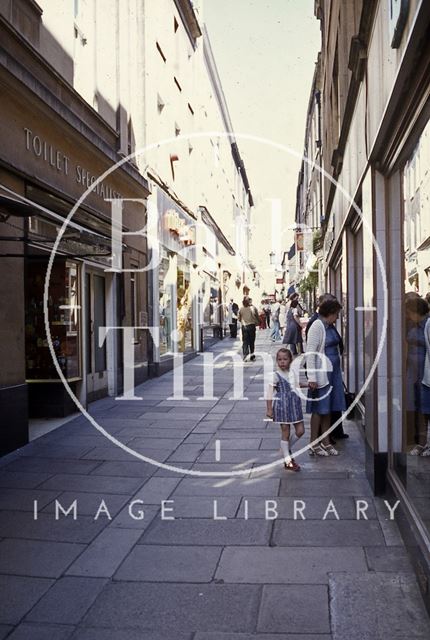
<point x="64" y="321"/>
<point x="414" y="467"/>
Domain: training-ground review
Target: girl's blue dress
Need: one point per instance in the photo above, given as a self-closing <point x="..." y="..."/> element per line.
<point x="417" y="394"/>
<point x="287" y="406"/>
<point x="334" y="400"/>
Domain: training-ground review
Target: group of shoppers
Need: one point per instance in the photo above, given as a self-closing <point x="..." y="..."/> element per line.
<point x="283" y="318"/>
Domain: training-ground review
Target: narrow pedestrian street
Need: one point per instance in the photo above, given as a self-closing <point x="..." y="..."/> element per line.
<point x="247" y="575"/>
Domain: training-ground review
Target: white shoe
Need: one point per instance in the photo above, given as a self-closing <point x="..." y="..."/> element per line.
<point x="418" y="450"/>
<point x="331" y="451"/>
<point x="318" y="451"/>
<point x="426" y="451"/>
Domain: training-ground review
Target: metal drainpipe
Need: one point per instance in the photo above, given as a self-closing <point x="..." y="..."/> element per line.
<point x="318" y="101"/>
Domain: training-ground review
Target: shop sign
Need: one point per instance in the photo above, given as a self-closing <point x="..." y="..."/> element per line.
<point x="300" y="241"/>
<point x="55" y="159"/>
<point x="304" y="239"/>
<point x="179" y="228"/>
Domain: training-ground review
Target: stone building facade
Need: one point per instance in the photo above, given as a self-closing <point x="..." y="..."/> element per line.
<point x="375" y="71"/>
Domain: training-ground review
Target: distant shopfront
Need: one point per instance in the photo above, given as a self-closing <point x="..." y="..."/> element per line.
<point x="173" y="294"/>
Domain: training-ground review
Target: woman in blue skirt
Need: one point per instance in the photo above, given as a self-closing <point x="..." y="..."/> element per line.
<point x="326" y="392"/>
<point x="285" y="407"/>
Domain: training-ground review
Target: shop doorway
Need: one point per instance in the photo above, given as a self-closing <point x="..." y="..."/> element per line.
<point x="95" y="317"/>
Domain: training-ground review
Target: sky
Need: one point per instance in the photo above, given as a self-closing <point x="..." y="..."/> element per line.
<point x="265" y="51"/>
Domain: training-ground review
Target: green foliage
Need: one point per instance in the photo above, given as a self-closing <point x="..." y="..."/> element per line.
<point x="308" y="284"/>
<point x="317" y="241"/>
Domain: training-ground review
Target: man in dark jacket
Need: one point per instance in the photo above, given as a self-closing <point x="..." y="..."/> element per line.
<point x="233" y="312"/>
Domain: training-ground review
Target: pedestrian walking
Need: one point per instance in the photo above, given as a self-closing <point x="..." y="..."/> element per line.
<point x="293" y="330"/>
<point x="275" y="310"/>
<point x="248" y="317"/>
<point x="267" y="311"/>
<point x="233" y="310"/>
<point x="285" y="407"/>
<point x="282" y="317"/>
<point x="326" y="392"/>
<point x="262" y="316"/>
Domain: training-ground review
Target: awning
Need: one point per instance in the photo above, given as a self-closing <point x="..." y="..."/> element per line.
<point x="77" y="240"/>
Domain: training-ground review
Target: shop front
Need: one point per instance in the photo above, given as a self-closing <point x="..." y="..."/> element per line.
<point x="212" y="302"/>
<point x="218" y="261"/>
<point x="409" y="436"/>
<point x="46" y="165"/>
<point x="174" y="298"/>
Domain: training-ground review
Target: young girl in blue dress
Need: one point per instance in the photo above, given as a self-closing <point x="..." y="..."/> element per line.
<point x="285" y="407"/>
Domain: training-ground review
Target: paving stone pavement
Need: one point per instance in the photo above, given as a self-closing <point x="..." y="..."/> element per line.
<point x="98" y="544"/>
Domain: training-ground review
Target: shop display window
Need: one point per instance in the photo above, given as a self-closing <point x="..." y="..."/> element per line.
<point x="64" y="321"/>
<point x="412" y="463"/>
<point x="165" y="303"/>
<point x="184" y="305"/>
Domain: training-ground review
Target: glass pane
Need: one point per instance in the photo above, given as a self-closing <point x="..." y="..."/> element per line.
<point x="89" y="345"/>
<point x="99" y="321"/>
<point x="64" y="320"/>
<point x="184" y="302"/>
<point x="165" y="304"/>
<point x="368" y="316"/>
<point x="413" y="462"/>
<point x="70" y="315"/>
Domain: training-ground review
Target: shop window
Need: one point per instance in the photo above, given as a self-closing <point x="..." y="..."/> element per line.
<point x="64" y="320"/>
<point x="165" y="292"/>
<point x="133" y="303"/>
<point x="99" y="321"/>
<point x="184" y="306"/>
<point x="412" y="462"/>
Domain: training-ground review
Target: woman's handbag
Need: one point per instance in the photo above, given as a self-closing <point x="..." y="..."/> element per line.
<point x="349" y="399"/>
